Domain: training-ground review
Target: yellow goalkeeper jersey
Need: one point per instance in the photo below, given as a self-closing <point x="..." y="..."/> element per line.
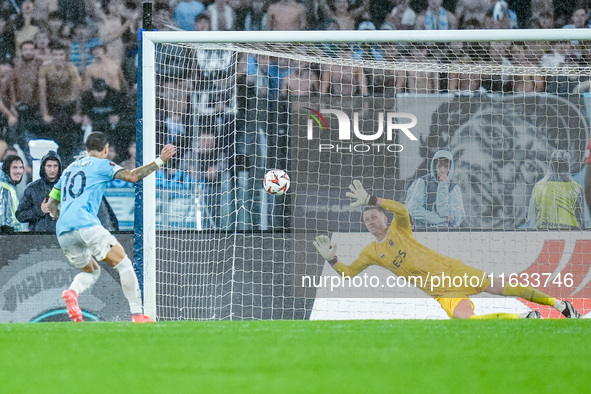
<point x="401" y="253"/>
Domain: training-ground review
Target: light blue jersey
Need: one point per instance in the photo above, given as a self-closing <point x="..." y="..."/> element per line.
<point x="82" y="186"/>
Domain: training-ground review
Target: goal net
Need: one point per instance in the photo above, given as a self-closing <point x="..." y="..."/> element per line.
<point x="511" y="109"/>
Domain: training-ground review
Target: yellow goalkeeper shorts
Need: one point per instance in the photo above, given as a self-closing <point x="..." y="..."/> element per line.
<point x="450" y="301"/>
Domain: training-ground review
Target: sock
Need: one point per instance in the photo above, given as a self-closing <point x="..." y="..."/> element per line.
<point x="130" y="285"/>
<point x="528" y="293"/>
<point x="84" y="280"/>
<point x="559" y="305"/>
<point x="494" y="316"/>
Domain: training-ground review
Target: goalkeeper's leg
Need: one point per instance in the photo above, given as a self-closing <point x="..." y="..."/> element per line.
<point x="533" y="295"/>
<point x="463" y="308"/>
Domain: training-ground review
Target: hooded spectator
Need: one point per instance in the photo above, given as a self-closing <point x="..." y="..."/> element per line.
<point x="32" y="208"/>
<point x="11" y="175"/>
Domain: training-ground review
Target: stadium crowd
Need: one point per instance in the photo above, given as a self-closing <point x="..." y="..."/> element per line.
<point x="69" y="67"/>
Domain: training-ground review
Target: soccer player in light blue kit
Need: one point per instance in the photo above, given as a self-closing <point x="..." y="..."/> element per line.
<point x="80" y="234"/>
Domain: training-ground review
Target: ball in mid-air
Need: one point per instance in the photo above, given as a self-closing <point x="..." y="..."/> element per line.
<point x="276" y="182"/>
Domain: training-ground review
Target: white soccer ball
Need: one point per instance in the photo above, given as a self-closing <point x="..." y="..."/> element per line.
<point x="276" y="182"/>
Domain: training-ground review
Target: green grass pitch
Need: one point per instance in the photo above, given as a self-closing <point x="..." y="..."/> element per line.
<point x="449" y="356"/>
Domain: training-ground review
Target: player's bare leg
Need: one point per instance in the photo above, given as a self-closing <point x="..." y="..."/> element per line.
<point x="117" y="258"/>
<point x="533" y="295"/>
<point x="82" y="282"/>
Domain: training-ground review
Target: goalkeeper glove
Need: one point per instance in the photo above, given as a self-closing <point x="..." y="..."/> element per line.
<point x="326" y="250"/>
<point x="359" y="193"/>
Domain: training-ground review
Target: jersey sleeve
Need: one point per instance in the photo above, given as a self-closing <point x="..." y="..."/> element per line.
<point x="401" y="218"/>
<point x="362" y="262"/>
<point x="55" y="193"/>
<point x="109" y="168"/>
<point x="588" y="161"/>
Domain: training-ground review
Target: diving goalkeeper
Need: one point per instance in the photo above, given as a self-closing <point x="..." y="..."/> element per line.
<point x="397" y="250"/>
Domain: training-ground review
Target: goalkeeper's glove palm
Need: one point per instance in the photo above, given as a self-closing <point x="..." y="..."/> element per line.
<point x="358" y="192"/>
<point x="324" y="248"/>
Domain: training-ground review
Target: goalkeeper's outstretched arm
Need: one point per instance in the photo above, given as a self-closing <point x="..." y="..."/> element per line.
<point x="328" y="252"/>
<point x="362" y="197"/>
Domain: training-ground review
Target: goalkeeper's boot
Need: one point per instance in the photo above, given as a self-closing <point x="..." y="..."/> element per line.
<point x="141" y="319"/>
<point x="569" y="311"/>
<point x="533" y="315"/>
<point x="71" y="300"/>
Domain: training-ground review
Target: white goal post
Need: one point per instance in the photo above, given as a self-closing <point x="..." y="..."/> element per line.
<point x="220" y="248"/>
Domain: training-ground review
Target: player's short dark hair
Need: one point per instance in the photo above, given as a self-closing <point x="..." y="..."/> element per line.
<point x="96" y="141"/>
<point x="376" y="207"/>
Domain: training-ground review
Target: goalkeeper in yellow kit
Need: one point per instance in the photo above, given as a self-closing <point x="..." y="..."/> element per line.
<point x="397" y="250"/>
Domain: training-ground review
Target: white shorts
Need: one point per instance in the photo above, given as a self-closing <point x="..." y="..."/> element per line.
<point x="80" y="245"/>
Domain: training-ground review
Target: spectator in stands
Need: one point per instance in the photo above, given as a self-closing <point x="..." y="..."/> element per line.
<point x="8" y="116"/>
<point x="542" y="20"/>
<point x="42" y="49"/>
<point x="203" y="23"/>
<point x="563" y="53"/>
<point x="252" y="16"/>
<point x="418" y="81"/>
<point x="102" y="108"/>
<point x="523" y="55"/>
<point x="73" y="12"/>
<point x="317" y="12"/>
<point x="163" y="17"/>
<point x="265" y="73"/>
<point x="434" y="200"/>
<point x="471" y="9"/>
<point x="80" y="55"/>
<point x="435" y="17"/>
<point x="557" y="200"/>
<point x="3" y="148"/>
<point x="579" y="19"/>
<point x="59" y="101"/>
<point x="103" y="67"/>
<point x="286" y="15"/>
<point x="112" y="25"/>
<point x="498" y="56"/>
<point x="11" y="175"/>
<point x="186" y="12"/>
<point x="7" y="48"/>
<point x="301" y="81"/>
<point x="42" y="10"/>
<point x="343" y="80"/>
<point x="500" y="16"/>
<point x="222" y="14"/>
<point x="58" y="30"/>
<point x="402" y="16"/>
<point x="32" y="208"/>
<point x="25" y="28"/>
<point x="26" y="87"/>
<point x="175" y="118"/>
<point x="210" y="165"/>
<point x="466" y="82"/>
<point x="130" y="161"/>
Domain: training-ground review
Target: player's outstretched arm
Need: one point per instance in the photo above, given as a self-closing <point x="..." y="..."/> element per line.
<point x="328" y="252"/>
<point x="362" y="197"/>
<point x="137" y="174"/>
